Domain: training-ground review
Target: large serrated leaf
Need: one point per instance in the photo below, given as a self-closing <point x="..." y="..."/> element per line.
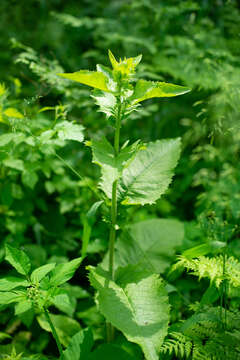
<point x="111" y="165"/>
<point x="18" y="259"/>
<point x="151" y="244"/>
<point x="149" y="174"/>
<point x="136" y="304"/>
<point x="149" y="89"/>
<point x="94" y="79"/>
<point x="79" y="346"/>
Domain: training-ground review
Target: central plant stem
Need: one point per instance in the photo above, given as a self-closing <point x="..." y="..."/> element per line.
<point x="112" y="235"/>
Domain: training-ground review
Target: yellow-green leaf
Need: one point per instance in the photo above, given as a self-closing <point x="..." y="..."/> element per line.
<point x="94" y="79"/>
<point x="148" y="89"/>
<point x="12" y="112"/>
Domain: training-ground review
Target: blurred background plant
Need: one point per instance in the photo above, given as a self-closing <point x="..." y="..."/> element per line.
<point x="43" y="202"/>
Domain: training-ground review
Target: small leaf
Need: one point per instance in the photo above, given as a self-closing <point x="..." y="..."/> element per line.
<point x="107" y="102"/>
<point x="18" y="259"/>
<point x="69" y="131"/>
<point x="23" y="306"/>
<point x="149" y="89"/>
<point x="6" y="138"/>
<point x="12" y="112"/>
<point x="94" y="79"/>
<point x="29" y="178"/>
<point x="136" y="304"/>
<point x="64" y="272"/>
<point x="11" y="282"/>
<point x="14" y="164"/>
<point x="79" y="346"/>
<point x="149" y="174"/>
<point x="39" y="273"/>
<point x="63" y="302"/>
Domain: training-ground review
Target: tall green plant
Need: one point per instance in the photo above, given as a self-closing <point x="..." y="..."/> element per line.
<point x="132" y="174"/>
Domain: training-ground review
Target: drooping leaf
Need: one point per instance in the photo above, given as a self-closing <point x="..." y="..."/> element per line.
<point x="39" y="273"/>
<point x="11" y="282"/>
<point x="149" y="174"/>
<point x="65" y="327"/>
<point x="136" y="304"/>
<point x="149" y="89"/>
<point x="109" y="352"/>
<point x="107" y="102"/>
<point x="79" y="346"/>
<point x="64" y="272"/>
<point x="18" y="259"/>
<point x="94" y="79"/>
<point x="151" y="244"/>
<point x="69" y="131"/>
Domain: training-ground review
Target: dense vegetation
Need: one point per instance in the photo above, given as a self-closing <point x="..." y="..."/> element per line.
<point x="165" y="284"/>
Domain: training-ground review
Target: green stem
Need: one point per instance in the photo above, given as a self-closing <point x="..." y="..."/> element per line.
<point x="55" y="335"/>
<point x="112" y="234"/>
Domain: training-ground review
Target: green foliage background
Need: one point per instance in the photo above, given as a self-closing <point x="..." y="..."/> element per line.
<point x="43" y="203"/>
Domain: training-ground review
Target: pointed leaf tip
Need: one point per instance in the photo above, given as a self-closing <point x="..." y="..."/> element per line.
<point x="95" y="79"/>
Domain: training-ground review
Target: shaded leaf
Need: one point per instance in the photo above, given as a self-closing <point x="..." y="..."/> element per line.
<point x="79" y="346"/>
<point x="151" y="244"/>
<point x="18" y="259"/>
<point x="109" y="352"/>
<point x="136" y="304"/>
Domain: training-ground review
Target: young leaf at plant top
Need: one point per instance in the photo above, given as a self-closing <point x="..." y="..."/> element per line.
<point x="136" y="304"/>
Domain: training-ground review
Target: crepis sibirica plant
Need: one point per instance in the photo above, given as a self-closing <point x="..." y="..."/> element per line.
<point x="132" y="298"/>
<point x="131" y="174"/>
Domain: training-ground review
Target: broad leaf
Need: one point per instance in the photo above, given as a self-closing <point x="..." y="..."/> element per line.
<point x="69" y="131"/>
<point x="65" y="326"/>
<point x="11" y="282"/>
<point x="136" y="304"/>
<point x="64" y="272"/>
<point x="79" y="346"/>
<point x="18" y="259"/>
<point x="111" y="166"/>
<point x="110" y="352"/>
<point x="149" y="89"/>
<point x="94" y="79"/>
<point x="149" y="174"/>
<point x="151" y="244"/>
<point x="39" y="273"/>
